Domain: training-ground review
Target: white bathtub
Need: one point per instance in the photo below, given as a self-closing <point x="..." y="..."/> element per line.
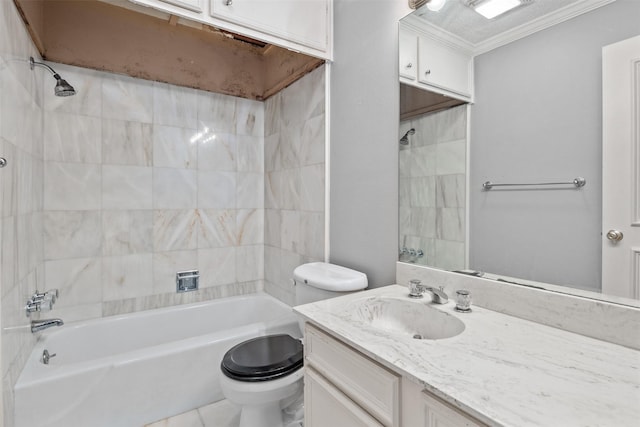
<point x="137" y="368"/>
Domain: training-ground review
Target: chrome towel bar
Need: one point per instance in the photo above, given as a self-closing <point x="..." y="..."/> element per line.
<point x="577" y="182"/>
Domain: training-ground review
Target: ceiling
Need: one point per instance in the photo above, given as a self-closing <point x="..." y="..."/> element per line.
<point x="152" y="45"/>
<point x="462" y="21"/>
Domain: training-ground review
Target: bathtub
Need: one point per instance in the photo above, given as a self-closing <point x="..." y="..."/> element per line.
<point x="133" y="369"/>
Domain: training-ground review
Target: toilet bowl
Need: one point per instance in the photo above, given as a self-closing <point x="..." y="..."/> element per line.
<point x="264" y="375"/>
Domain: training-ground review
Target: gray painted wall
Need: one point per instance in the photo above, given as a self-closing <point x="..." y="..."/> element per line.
<point x="364" y="112"/>
<point x="522" y="90"/>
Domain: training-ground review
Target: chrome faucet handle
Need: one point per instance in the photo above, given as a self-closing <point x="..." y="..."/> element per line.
<point x="51" y="295"/>
<point x="38" y="304"/>
<point x="31" y="307"/>
<point x="46" y="305"/>
<point x="416" y="288"/>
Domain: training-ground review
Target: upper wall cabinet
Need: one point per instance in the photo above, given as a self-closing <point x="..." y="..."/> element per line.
<point x="444" y="67"/>
<point x="435" y="64"/>
<point x="408" y="55"/>
<point x="303" y="26"/>
<point x="195" y="5"/>
<point x="303" y="22"/>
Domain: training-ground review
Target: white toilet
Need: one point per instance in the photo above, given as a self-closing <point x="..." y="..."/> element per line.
<point x="264" y="375"/>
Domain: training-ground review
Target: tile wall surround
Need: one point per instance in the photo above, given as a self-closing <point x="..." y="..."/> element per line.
<point x="602" y="320"/>
<point x="294" y="181"/>
<point x="432" y="188"/>
<point x="21" y="195"/>
<point x="106" y="196"/>
<point x="144" y="179"/>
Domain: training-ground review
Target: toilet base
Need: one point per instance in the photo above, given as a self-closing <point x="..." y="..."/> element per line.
<point x="262" y="403"/>
<point x="269" y="414"/>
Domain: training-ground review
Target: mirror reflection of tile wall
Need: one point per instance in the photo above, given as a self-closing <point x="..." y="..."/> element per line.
<point x="432" y="189"/>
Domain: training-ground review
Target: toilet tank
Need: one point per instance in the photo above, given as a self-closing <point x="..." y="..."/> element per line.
<point x="321" y="280"/>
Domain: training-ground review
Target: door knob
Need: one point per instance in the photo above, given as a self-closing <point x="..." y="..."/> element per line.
<point x="615" y="235"/>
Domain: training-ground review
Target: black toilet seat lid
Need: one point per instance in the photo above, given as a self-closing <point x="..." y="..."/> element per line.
<point x="263" y="358"/>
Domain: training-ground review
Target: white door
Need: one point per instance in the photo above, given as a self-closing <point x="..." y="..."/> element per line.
<point x="621" y="168"/>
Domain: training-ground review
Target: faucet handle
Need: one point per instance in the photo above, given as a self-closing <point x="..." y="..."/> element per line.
<point x="416" y="288"/>
<point x="46" y="305"/>
<point x="38" y="302"/>
<point x="31" y="307"/>
<point x="51" y="295"/>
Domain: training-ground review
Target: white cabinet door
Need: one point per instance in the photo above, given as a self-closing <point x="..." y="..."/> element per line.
<point x="326" y="406"/>
<point x="408" y="63"/>
<point x="371" y="386"/>
<point x="443" y="67"/>
<point x="195" y="5"/>
<point x="303" y="22"/>
<point x="438" y="414"/>
<point x="621" y="168"/>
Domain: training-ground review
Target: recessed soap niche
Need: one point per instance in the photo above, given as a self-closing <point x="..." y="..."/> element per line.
<point x="187" y="281"/>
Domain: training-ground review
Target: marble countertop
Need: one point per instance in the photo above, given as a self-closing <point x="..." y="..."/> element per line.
<point x="503" y="370"/>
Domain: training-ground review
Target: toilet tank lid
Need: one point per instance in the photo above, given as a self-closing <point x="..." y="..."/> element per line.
<point x="330" y="277"/>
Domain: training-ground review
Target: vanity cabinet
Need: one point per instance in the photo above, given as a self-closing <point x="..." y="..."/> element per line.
<point x="435" y="65"/>
<point x="359" y="387"/>
<point x="343" y="387"/>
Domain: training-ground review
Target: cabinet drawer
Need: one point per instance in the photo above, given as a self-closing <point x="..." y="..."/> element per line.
<point x="373" y="387"/>
<point x="328" y="406"/>
<point x="443" y="67"/>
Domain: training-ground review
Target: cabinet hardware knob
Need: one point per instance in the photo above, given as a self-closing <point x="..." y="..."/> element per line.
<point x="409" y="65"/>
<point x="426" y="73"/>
<point x="228" y="2"/>
<point x="3" y="162"/>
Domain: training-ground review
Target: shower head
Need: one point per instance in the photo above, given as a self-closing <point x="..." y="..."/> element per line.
<point x="405" y="139"/>
<point x="63" y="88"/>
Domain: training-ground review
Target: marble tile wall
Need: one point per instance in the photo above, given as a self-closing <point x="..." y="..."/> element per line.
<point x="21" y="196"/>
<point x="294" y="181"/>
<point x="432" y="189"/>
<point x="142" y="180"/>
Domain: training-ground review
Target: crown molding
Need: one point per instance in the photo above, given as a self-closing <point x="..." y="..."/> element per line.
<point x="417" y="25"/>
<point x="539" y="24"/>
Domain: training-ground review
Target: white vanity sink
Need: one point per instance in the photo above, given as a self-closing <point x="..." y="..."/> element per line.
<point x="405" y="317"/>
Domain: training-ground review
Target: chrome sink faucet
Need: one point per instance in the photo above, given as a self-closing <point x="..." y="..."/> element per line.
<point x="416" y="289"/>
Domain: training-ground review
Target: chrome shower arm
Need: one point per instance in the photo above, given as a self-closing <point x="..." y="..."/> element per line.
<point x="33" y="63"/>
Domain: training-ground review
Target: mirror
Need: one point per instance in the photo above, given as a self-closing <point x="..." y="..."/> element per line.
<point x="536" y="117"/>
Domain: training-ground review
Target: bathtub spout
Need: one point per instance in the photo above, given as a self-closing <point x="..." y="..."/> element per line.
<point x="41" y="325"/>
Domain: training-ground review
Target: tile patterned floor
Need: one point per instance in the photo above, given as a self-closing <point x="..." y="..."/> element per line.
<point x="224" y="414"/>
<point x="219" y="414"/>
